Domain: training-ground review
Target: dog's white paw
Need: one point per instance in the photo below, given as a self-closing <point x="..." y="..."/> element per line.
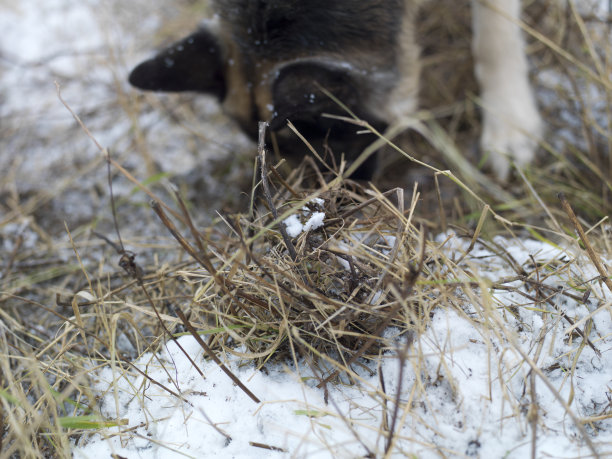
<point x="512" y="129"/>
<point x="511" y="123"/>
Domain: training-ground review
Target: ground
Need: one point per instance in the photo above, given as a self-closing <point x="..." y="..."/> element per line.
<point x="512" y="349"/>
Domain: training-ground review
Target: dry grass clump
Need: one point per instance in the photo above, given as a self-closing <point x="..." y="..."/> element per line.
<point x="330" y="291"/>
<point x="244" y="286"/>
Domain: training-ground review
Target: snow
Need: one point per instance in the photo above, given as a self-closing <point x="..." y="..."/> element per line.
<point x="88" y="47"/>
<point x="294" y="225"/>
<point x="313" y="220"/>
<point x="465" y="388"/>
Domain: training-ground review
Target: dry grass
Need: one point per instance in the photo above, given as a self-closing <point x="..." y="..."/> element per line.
<point x="326" y="296"/>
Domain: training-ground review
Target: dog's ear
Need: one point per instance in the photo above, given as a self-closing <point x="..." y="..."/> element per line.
<point x="193" y="64"/>
<point x="297" y="92"/>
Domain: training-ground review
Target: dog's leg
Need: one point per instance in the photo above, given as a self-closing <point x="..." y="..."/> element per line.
<point x="511" y="122"/>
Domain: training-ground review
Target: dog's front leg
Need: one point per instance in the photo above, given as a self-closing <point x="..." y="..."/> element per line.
<point x="511" y="122"/>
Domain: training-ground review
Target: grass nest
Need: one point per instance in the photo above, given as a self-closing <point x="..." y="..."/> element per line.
<point x="277" y="282"/>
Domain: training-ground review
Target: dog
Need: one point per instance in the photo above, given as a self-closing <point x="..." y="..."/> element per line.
<point x="277" y="60"/>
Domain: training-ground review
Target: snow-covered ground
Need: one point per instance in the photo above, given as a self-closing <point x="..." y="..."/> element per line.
<point x="87" y="48"/>
<point x="465" y="390"/>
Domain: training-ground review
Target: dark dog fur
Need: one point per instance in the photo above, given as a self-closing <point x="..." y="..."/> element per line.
<point x="268" y="60"/>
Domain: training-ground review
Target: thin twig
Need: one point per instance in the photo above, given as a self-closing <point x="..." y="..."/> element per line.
<point x="214" y="357"/>
<point x="587" y="244"/>
<point x="402" y="357"/>
<point x="268" y="447"/>
<point x="261" y="152"/>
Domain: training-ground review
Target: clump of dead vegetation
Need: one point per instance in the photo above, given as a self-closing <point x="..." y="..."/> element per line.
<point x="245" y="286"/>
<point x="326" y="295"/>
